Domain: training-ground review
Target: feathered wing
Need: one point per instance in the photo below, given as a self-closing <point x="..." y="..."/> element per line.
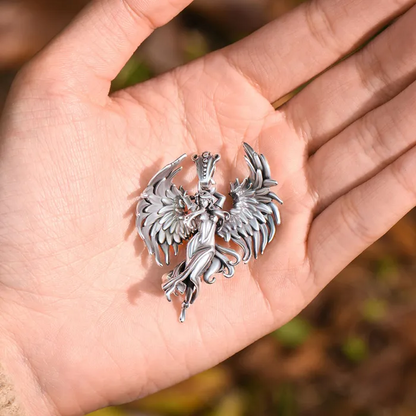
<point x="160" y="213"/>
<point x="254" y="215"/>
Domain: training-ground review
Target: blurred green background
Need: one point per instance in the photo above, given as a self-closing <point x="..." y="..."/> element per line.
<point x="353" y="350"/>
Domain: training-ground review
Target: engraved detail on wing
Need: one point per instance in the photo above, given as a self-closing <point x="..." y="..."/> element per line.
<point x="254" y="215"/>
<point x="160" y="213"/>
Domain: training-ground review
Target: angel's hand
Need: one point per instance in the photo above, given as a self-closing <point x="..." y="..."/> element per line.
<point x="188" y="223"/>
<point x="189" y="219"/>
<point x="78" y="332"/>
<point x="223" y="215"/>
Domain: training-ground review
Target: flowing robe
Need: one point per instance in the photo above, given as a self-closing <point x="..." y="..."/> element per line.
<point x="200" y="253"/>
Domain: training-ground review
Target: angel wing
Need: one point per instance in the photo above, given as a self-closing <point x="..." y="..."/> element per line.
<point x="254" y="216"/>
<point x="160" y="213"/>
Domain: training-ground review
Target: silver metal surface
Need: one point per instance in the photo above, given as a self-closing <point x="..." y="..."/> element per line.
<point x="166" y="216"/>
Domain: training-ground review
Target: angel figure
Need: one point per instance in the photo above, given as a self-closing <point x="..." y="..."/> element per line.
<point x="167" y="216"/>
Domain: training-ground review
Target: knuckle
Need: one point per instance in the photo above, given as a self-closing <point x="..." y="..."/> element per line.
<point x="139" y="16"/>
<point x="322" y="27"/>
<point x="357" y="225"/>
<point x="371" y="138"/>
<point x="405" y="173"/>
<point x="373" y="74"/>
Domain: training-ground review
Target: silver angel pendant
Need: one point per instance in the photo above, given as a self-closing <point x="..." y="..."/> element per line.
<point x="167" y="216"/>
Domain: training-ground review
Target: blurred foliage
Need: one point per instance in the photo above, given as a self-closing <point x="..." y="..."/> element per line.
<point x="387" y="268"/>
<point x="374" y="310"/>
<point x="355" y="349"/>
<point x="109" y="411"/>
<point x="134" y="71"/>
<point x="352" y="351"/>
<point x="232" y="404"/>
<point x="286" y="404"/>
<point x="189" y="396"/>
<point x="294" y="333"/>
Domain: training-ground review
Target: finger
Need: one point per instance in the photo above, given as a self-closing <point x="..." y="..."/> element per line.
<point x="364" y="81"/>
<point x="290" y="51"/>
<point x="89" y="54"/>
<point x="364" y="148"/>
<point x="359" y="218"/>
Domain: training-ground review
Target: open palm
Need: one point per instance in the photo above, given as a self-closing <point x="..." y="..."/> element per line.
<point x="83" y="318"/>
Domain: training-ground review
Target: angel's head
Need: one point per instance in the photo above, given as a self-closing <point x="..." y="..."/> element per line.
<point x="205" y="168"/>
<point x="204" y="199"/>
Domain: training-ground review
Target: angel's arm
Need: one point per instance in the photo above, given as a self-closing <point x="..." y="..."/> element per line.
<point x="191" y="216"/>
<point x="188" y="200"/>
<point x="224" y="215"/>
<point x="220" y="199"/>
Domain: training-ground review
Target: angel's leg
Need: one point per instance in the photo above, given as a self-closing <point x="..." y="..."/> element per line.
<point x="193" y="269"/>
<point x="175" y="281"/>
<point x="190" y="291"/>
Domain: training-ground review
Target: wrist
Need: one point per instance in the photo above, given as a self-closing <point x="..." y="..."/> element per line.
<point x="19" y="385"/>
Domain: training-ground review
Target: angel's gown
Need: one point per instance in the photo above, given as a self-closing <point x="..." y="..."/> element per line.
<point x="203" y="259"/>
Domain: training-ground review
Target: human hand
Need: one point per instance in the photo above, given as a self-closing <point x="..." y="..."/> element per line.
<point x="83" y="321"/>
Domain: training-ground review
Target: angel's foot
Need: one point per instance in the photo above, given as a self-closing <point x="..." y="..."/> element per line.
<point x="180" y="288"/>
<point x="169" y="292"/>
<point x="185" y="306"/>
<point x="176" y="289"/>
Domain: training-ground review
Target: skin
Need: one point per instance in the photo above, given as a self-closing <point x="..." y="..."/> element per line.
<point x="83" y="321"/>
